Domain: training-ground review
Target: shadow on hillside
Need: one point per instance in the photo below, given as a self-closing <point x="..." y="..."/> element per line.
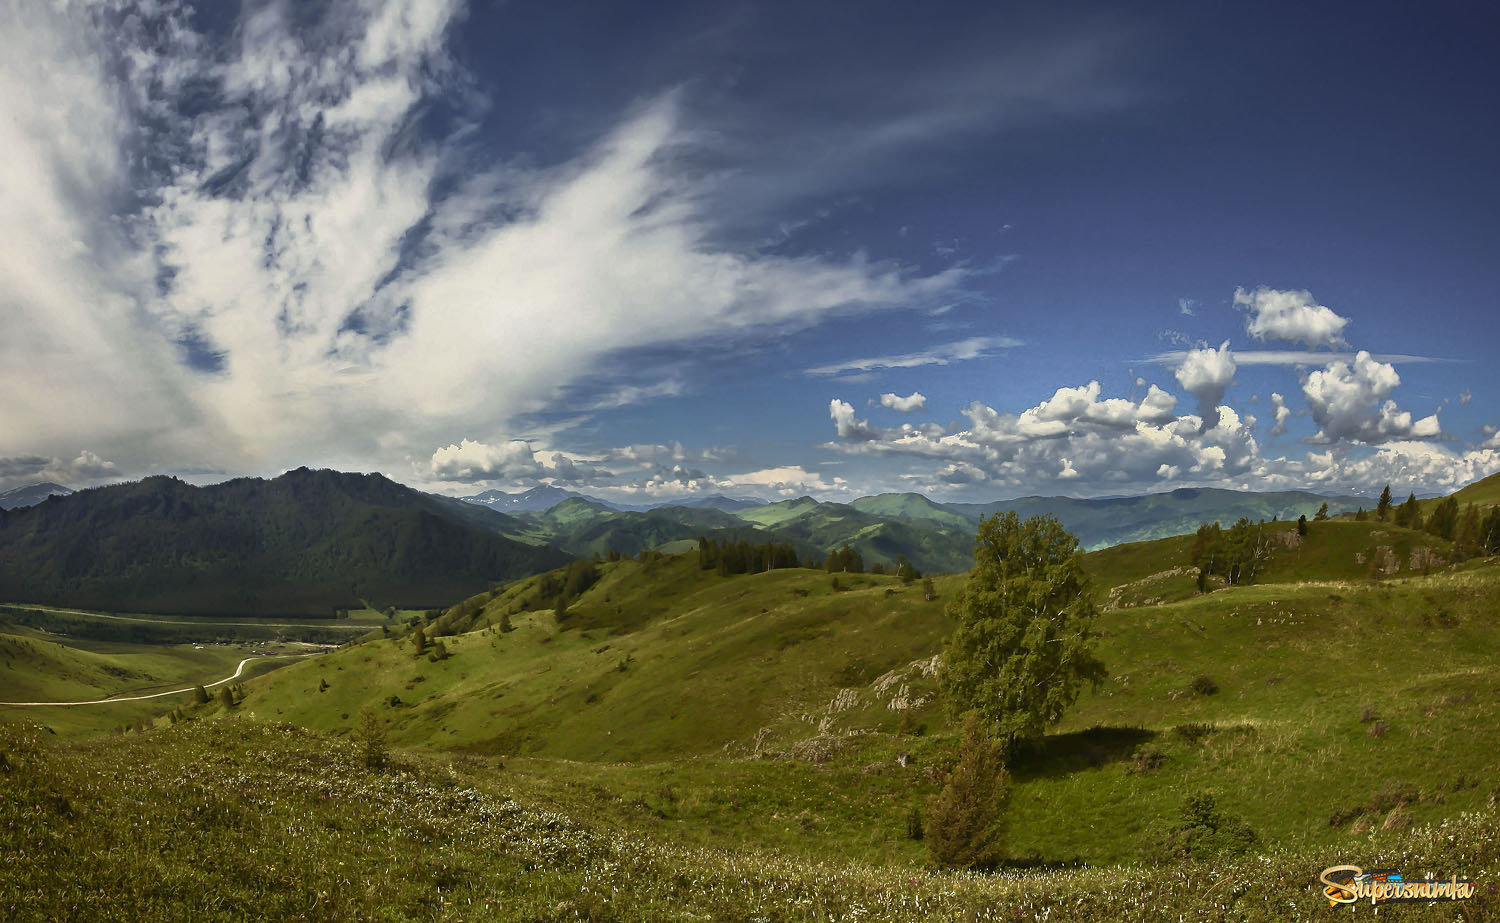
<point x="1061" y="754"/>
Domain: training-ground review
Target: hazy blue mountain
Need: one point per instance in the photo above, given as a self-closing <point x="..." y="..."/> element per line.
<point x="535" y="500"/>
<point x="1115" y="520"/>
<point x="31" y="495"/>
<point x="717" y="502"/>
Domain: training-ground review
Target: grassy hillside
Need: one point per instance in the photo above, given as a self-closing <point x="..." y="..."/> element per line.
<point x="306" y="543"/>
<point x="666" y="675"/>
<point x="237" y="820"/>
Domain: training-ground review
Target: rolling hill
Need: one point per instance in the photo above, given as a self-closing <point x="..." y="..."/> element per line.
<point x="305" y="543"/>
<point x="663" y="671"/>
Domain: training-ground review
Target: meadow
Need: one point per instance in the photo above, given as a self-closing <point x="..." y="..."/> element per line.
<point x="676" y="744"/>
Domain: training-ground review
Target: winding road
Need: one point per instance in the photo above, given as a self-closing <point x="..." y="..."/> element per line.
<point x="155" y="695"/>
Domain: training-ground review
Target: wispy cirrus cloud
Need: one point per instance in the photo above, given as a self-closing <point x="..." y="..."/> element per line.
<point x="946" y="354"/>
<point x="281" y="243"/>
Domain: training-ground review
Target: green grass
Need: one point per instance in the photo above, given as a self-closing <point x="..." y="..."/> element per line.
<point x="217" y="821"/>
<point x="668" y="678"/>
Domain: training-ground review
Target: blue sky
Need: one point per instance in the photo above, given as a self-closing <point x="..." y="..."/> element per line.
<point x="647" y="251"/>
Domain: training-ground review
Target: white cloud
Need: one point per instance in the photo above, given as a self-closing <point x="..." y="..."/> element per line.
<point x="298" y="228"/>
<point x="846" y="425"/>
<point x="1187" y="306"/>
<point x="1290" y="357"/>
<point x="1349" y="402"/>
<point x="1281" y="412"/>
<point x="1207" y="374"/>
<point x="963" y="350"/>
<point x="1075" y="435"/>
<point x="787" y="480"/>
<point x="914" y="401"/>
<point x="1424" y="467"/>
<point x="1290" y="315"/>
<point x="478" y="461"/>
<point x="84" y="469"/>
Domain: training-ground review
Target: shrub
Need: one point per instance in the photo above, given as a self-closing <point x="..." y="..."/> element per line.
<point x="371" y="739"/>
<point x="964" y="827"/>
<point x="1193" y="732"/>
<point x="1204" y="685"/>
<point x="1205" y="832"/>
<point x="1146" y="760"/>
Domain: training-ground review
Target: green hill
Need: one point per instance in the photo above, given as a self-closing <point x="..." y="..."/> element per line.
<point x="913" y="508"/>
<point x="666" y="671"/>
<point x="305" y="543"/>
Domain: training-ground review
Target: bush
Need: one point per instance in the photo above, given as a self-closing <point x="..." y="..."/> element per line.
<point x="1205" y="833"/>
<point x="965" y="821"/>
<point x="1204" y="685"/>
<point x="371" y="739"/>
<point x="1146" y="760"/>
<point x="1193" y="732"/>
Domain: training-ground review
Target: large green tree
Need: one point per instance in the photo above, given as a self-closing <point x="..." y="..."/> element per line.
<point x="1022" y="649"/>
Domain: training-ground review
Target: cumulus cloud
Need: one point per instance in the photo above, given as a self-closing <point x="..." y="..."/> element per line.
<point x="1290" y="315"/>
<point x="914" y="401"/>
<point x="786" y="480"/>
<point x="1207" y="374"/>
<point x="83" y="469"/>
<point x="1422" y="466"/>
<point x="1350" y="402"/>
<point x="1077" y="436"/>
<point x="963" y="350"/>
<point x="846" y="425"/>
<point x="1281" y="412"/>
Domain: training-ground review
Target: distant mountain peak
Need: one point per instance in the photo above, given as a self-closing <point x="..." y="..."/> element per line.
<point x="32" y="494"/>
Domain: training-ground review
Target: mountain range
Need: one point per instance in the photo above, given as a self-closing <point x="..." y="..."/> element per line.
<point x="934" y="536"/>
<point x="305" y="543"/>
<point x="311" y="542"/>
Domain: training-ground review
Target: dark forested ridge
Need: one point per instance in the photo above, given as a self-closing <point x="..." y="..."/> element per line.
<point x="305" y="543"/>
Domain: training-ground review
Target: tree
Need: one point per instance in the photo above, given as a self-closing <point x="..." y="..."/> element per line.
<point x="1383" y="508"/>
<point x="1322" y="514"/>
<point x="1467" y="534"/>
<point x="1409" y="515"/>
<point x="964" y="827"/>
<point x="226" y="698"/>
<point x="1022" y="648"/>
<point x="371" y="739"/>
<point x="1302" y="524"/>
<point x="1360" y="516"/>
<point x="419" y="640"/>
<point x="928" y="592"/>
<point x="1489" y="533"/>
<point x="1444" y="519"/>
<point x="200" y="695"/>
<point x="439" y="652"/>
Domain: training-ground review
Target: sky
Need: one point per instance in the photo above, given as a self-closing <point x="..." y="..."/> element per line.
<point x="649" y="251"/>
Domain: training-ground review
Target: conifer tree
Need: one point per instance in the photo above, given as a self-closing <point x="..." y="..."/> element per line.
<point x="965" y="821"/>
<point x="1302" y="524"/>
<point x="1383" y="508"/>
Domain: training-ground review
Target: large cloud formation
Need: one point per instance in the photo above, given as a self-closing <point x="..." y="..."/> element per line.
<point x="273" y="246"/>
<point x="1350" y="402"/>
